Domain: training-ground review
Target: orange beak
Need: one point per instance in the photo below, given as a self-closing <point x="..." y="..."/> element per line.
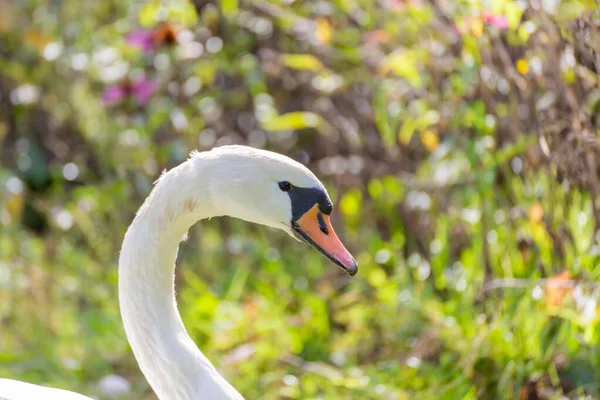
<point x="315" y="228"/>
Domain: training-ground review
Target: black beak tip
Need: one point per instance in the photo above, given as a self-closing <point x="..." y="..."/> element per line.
<point x="353" y="269"/>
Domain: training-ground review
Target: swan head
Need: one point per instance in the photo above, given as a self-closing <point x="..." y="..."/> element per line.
<point x="270" y="189"/>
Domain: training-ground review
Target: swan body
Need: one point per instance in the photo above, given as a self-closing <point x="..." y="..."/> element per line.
<point x="237" y="181"/>
<point x="16" y="390"/>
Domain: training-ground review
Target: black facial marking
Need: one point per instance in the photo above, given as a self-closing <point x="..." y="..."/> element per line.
<point x="326" y="207"/>
<point x="322" y="224"/>
<point x="303" y="199"/>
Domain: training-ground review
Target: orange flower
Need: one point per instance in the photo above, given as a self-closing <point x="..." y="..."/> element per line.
<point x="557" y="288"/>
<point x="148" y="40"/>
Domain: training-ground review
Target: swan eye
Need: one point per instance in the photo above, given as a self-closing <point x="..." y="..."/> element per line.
<point x="285" y="186"/>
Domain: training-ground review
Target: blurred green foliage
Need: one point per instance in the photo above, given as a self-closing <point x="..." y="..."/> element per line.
<point x="459" y="142"/>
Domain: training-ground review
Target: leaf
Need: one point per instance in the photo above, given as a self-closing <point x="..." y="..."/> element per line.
<point x="292" y="121"/>
<point x="407" y="130"/>
<point x="350" y="204"/>
<point x="477" y="27"/>
<point x="513" y="13"/>
<point x="306" y="62"/>
<point x="324" y="32"/>
<point x="514" y="149"/>
<point x="429" y="139"/>
<point x="183" y="11"/>
<point x="15" y="206"/>
<point x="206" y="71"/>
<point x="148" y="14"/>
<point x="375" y="188"/>
<point x="403" y="64"/>
<point x="376" y="277"/>
<point x="229" y="7"/>
<point x="36" y="39"/>
<point x="381" y="117"/>
<point x="568" y="11"/>
<point x="422" y="121"/>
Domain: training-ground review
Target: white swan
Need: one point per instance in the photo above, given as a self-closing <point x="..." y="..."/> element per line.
<point x="255" y="185"/>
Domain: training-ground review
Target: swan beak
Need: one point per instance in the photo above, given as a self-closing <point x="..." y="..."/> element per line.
<point x="315" y="228"/>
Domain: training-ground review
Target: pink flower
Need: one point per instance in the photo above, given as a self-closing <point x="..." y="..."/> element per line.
<point x="141" y="90"/>
<point x="113" y="94"/>
<point x="142" y="39"/>
<point x="497" y="20"/>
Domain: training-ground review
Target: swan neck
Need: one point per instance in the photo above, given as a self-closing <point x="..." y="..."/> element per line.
<point x="173" y="365"/>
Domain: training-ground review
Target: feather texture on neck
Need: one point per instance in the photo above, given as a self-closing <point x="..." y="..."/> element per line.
<point x="174" y="366"/>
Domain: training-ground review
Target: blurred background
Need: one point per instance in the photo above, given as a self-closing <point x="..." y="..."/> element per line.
<point x="458" y="140"/>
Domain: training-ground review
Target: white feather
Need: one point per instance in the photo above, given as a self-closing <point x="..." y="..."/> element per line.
<point x="15" y="390"/>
